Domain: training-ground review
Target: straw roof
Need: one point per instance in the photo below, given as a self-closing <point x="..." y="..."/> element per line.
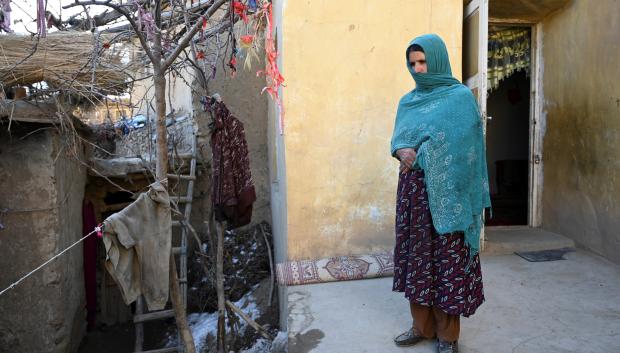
<point x="80" y="62"/>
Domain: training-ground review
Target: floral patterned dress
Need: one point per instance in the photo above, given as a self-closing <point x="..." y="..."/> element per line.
<point x="430" y="268"/>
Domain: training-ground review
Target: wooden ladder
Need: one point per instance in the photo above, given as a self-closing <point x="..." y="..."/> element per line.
<point x="184" y="203"/>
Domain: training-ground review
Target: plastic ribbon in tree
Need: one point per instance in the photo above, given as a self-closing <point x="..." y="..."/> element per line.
<point x="5" y="16"/>
<point x="272" y="72"/>
<point x="41" y="28"/>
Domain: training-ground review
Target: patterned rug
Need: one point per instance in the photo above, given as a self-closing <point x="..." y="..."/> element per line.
<point x="341" y="268"/>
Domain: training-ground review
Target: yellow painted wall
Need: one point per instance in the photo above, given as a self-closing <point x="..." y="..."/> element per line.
<point x="581" y="194"/>
<point x="344" y="64"/>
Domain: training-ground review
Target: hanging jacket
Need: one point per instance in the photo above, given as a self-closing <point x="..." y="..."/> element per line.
<point x="137" y="241"/>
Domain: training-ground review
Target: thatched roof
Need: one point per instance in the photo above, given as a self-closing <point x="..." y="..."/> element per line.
<point x="64" y="60"/>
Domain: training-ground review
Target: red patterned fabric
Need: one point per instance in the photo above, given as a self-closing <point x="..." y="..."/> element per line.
<point x="430" y="267"/>
<point x="233" y="189"/>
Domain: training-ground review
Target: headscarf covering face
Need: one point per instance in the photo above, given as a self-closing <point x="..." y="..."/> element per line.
<point x="438" y="71"/>
<point x="441" y="121"/>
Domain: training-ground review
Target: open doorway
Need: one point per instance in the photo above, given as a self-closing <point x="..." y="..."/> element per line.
<point x="508" y="131"/>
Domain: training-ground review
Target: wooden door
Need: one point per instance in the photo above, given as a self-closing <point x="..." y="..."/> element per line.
<point x="475" y="52"/>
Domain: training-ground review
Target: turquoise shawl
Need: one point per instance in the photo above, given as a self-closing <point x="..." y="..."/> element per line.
<point x="441" y="121"/>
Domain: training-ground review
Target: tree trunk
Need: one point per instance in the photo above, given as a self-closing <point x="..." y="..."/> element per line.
<point x="221" y="300"/>
<point x="161" y="170"/>
<point x="161" y="173"/>
<point x="179" y="310"/>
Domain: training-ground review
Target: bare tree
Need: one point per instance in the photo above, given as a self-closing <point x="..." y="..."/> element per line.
<point x="148" y="26"/>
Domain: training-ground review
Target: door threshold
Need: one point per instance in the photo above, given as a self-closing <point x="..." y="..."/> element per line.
<point x="503" y="240"/>
<point x="517" y="227"/>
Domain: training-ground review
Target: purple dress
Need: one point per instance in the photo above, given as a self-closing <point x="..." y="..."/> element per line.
<point x="430" y="267"/>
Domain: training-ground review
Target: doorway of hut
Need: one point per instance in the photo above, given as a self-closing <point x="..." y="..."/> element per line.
<point x="508" y="134"/>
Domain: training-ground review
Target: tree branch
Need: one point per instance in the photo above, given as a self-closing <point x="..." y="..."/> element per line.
<point x="126" y="14"/>
<point x="98" y="20"/>
<point x="189" y="35"/>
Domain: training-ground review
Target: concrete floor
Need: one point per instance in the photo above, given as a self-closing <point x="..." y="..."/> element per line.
<point x="507" y="240"/>
<point x="563" y="306"/>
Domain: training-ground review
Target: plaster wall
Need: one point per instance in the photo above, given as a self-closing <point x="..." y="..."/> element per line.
<point x="344" y="65"/>
<point x="70" y="184"/>
<point x="42" y="190"/>
<point x="178" y="94"/>
<point x="581" y="195"/>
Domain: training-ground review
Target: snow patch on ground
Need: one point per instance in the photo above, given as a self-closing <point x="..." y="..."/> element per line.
<point x="204" y="324"/>
<point x="262" y="345"/>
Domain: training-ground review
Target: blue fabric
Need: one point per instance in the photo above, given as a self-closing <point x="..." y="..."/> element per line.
<point x="441" y="121"/>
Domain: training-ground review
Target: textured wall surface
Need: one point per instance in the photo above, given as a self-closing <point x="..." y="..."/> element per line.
<point x="344" y="65"/>
<point x="42" y="189"/>
<point x="242" y="95"/>
<point x="581" y="195"/>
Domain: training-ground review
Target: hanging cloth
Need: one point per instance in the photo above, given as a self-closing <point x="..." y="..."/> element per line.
<point x="138" y="242"/>
<point x="233" y="188"/>
<point x="509" y="51"/>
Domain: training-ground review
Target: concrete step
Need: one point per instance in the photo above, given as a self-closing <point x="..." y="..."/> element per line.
<point x="507" y="240"/>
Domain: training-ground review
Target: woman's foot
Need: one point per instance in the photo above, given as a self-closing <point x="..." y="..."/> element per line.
<point x="407" y="338"/>
<point x="447" y="347"/>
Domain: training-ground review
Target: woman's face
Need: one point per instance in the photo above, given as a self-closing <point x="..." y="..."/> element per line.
<point x="417" y="60"/>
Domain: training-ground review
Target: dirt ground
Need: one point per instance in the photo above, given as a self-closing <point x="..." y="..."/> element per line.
<point x="120" y="338"/>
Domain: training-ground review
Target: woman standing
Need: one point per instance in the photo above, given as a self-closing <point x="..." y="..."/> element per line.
<point x="442" y="193"/>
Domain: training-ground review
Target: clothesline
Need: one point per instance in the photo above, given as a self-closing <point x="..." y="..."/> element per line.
<point x="96" y="230"/>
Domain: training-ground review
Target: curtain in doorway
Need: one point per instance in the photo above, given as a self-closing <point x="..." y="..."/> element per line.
<point x="509" y="51"/>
